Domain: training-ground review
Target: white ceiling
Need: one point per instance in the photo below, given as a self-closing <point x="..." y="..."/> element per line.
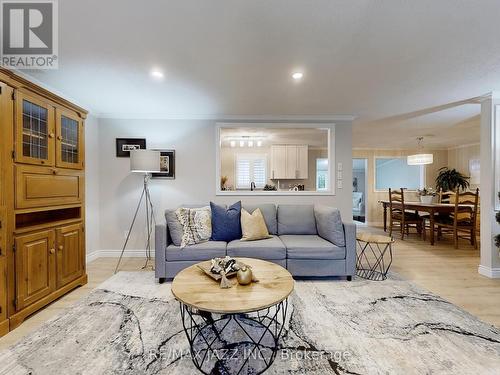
<point x="372" y="59"/>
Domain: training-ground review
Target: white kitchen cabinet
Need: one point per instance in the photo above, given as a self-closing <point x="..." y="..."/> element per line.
<point x="289" y="162"/>
<point x="302" y="162"/>
<point x="278" y="162"/>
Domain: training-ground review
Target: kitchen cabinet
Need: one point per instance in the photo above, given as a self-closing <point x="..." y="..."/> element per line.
<point x="289" y="162"/>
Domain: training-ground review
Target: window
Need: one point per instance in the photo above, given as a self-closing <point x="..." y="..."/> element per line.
<point x="395" y="173"/>
<point x="251" y="168"/>
<point x="321" y="174"/>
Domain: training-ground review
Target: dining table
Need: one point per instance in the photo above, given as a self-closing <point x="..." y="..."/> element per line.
<point x="431" y="208"/>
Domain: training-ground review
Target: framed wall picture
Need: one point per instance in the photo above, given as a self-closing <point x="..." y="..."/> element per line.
<point x="167" y="165"/>
<point x="125" y="145"/>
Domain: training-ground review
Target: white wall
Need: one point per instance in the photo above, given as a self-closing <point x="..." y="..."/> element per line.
<point x="194" y="143"/>
<point x="459" y="158"/>
<point x="92" y="209"/>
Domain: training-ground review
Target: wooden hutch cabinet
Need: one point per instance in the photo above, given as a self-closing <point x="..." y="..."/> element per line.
<point x="42" y="200"/>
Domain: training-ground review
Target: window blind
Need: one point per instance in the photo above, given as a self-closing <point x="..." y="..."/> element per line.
<point x="250" y="168"/>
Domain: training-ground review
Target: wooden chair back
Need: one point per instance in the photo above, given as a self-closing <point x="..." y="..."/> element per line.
<point x="466" y="205"/>
<point x="446" y="196"/>
<point x="396" y="196"/>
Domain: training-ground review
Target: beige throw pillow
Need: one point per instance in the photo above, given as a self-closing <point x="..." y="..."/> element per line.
<point x="253" y="226"/>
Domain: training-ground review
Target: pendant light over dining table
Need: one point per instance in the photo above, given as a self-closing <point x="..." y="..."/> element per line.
<point x="420" y="158"/>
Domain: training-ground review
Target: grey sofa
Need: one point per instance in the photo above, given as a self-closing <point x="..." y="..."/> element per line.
<point x="307" y="240"/>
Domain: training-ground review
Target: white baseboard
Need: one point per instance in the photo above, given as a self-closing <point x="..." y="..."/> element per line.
<point x="378" y="224"/>
<point x="493" y="273"/>
<point x="116" y="254"/>
<point x="92" y="256"/>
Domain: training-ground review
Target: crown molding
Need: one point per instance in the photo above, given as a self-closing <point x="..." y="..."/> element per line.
<point x="463" y="146"/>
<point x="229" y="118"/>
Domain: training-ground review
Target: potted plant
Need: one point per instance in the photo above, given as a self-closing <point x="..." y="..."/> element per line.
<point x="223" y="181"/>
<point x="451" y="179"/>
<point x="426" y="195"/>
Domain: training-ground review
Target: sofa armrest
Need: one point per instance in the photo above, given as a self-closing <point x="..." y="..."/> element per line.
<point x="161" y="239"/>
<point x="350" y="245"/>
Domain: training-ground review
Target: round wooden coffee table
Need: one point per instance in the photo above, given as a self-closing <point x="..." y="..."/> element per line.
<point x="235" y="330"/>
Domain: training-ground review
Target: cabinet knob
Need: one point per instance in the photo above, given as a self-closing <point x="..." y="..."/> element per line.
<point x="51" y="135"/>
<point x="54" y="171"/>
<point x="61" y="247"/>
<point x="59" y="137"/>
<point x="52" y="251"/>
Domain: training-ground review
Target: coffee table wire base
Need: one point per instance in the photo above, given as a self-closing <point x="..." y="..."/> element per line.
<point x="234" y="343"/>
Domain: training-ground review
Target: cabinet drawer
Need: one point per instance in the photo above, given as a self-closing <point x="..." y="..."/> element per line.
<point x="39" y="187"/>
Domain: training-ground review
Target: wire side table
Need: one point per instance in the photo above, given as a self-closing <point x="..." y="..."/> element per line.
<point x="374" y="256"/>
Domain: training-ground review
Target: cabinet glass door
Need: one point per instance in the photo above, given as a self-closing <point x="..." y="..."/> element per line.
<point x="34" y="131"/>
<point x="69" y="140"/>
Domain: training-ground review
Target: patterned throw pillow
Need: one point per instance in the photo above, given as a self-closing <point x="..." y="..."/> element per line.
<point x="196" y="224"/>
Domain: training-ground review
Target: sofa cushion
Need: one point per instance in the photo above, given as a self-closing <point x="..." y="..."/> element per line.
<point x="269" y="213"/>
<point x="296" y="219"/>
<point x="270" y="248"/>
<point x="311" y="247"/>
<point x="199" y="251"/>
<point x="226" y="225"/>
<point x="329" y="224"/>
<point x="174" y="227"/>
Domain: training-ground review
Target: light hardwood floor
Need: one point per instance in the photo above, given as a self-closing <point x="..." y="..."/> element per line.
<point x="448" y="272"/>
<point x="441" y="269"/>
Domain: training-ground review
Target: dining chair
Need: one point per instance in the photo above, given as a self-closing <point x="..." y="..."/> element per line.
<point x="463" y="219"/>
<point x="446" y="196"/>
<point x="400" y="216"/>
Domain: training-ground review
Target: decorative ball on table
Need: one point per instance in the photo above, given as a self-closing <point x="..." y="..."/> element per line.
<point x="244" y="275"/>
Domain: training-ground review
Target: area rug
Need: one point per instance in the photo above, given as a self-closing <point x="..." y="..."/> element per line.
<point x="131" y="325"/>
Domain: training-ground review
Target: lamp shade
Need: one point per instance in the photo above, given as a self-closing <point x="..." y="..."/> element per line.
<point x="420" y="159"/>
<point x="144" y="161"/>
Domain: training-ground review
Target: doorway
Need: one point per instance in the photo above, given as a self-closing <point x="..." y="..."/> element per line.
<point x="359" y="189"/>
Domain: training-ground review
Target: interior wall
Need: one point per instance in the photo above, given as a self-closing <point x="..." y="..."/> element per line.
<point x="92" y="199"/>
<point x="194" y="142"/>
<point x="459" y="158"/>
<point x="373" y="209"/>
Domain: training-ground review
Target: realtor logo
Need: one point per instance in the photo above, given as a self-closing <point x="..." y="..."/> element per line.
<point x="29" y="34"/>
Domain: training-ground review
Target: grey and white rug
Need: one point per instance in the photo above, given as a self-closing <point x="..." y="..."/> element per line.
<point x="130" y="325"/>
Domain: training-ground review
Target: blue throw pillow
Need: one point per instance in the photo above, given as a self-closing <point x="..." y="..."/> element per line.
<point x="226" y="225"/>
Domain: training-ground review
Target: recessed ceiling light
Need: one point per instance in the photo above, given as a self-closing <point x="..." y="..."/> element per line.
<point x="158" y="74"/>
<point x="297" y="76"/>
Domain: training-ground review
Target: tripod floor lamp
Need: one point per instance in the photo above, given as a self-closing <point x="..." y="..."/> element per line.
<point x="144" y="162"/>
